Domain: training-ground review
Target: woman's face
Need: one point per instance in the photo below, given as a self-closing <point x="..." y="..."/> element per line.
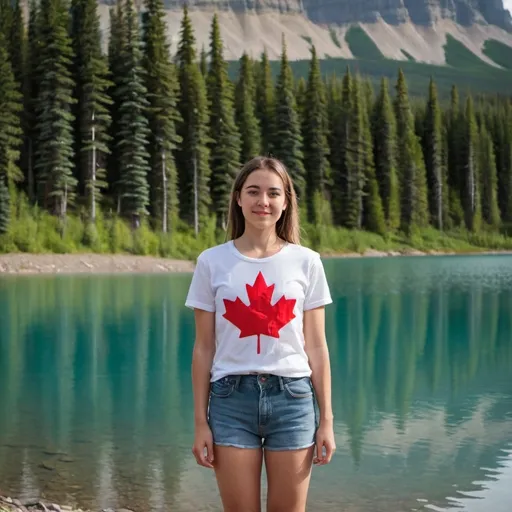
<point x="262" y="199"/>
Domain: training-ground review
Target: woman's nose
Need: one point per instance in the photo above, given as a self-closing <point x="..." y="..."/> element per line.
<point x="263" y="199"/>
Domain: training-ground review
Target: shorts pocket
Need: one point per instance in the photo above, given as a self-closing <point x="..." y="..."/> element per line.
<point x="222" y="388"/>
<point x="299" y="388"/>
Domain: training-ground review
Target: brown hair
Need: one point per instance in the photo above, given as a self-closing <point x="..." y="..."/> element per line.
<point x="287" y="227"/>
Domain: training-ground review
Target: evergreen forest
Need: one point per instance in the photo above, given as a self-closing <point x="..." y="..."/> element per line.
<point x="127" y="146"/>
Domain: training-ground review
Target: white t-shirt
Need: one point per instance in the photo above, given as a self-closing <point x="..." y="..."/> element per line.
<point x="259" y="305"/>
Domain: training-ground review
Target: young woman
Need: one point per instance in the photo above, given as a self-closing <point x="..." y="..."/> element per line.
<point x="260" y="369"/>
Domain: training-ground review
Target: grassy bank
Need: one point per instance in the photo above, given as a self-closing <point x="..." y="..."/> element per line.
<point x="36" y="231"/>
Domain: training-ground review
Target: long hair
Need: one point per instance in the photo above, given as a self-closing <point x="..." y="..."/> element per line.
<point x="287" y="227"/>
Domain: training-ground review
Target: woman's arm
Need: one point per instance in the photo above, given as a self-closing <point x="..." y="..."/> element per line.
<point x="318" y="355"/>
<point x="202" y="358"/>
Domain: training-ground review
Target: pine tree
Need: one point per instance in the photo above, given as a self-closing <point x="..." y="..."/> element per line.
<point x="245" y="107"/>
<point x="54" y="124"/>
<point x="287" y="142"/>
<point x="224" y="135"/>
<point x="117" y="43"/>
<point x="163" y="95"/>
<point x="17" y="44"/>
<point x="301" y="98"/>
<point x="339" y="99"/>
<point x="373" y="210"/>
<point x="315" y="138"/>
<point x="368" y="96"/>
<point x="6" y="18"/>
<point x="436" y="172"/>
<point x="384" y="143"/>
<point x="133" y="125"/>
<point x="454" y="131"/>
<point x="17" y="52"/>
<point x="195" y="199"/>
<point x="31" y="88"/>
<point x="265" y="104"/>
<point x="488" y="179"/>
<point x="10" y="132"/>
<point x="471" y="200"/>
<point x="354" y="154"/>
<point x="203" y="63"/>
<point x="505" y="176"/>
<point x="5" y="201"/>
<point x="193" y="155"/>
<point x="502" y="136"/>
<point x="186" y="53"/>
<point x="92" y="109"/>
<point x="411" y="166"/>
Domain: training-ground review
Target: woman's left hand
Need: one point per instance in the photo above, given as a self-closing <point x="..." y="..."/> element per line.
<point x="325" y="444"/>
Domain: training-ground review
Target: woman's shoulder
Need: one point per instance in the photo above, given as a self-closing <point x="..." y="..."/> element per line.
<point x="213" y="252"/>
<point x="303" y="252"/>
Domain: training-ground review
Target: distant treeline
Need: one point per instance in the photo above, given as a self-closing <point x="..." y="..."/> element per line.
<point x="154" y="142"/>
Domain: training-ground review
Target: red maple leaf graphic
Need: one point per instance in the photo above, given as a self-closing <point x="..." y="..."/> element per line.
<point x="260" y="317"/>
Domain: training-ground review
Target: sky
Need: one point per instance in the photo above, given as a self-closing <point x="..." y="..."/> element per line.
<point x="508" y="4"/>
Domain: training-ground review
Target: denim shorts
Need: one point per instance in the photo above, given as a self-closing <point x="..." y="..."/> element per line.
<point x="263" y="411"/>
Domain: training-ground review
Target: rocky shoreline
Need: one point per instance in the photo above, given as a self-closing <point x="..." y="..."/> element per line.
<point x="32" y="505"/>
<point x="26" y="263"/>
<point x="90" y="263"/>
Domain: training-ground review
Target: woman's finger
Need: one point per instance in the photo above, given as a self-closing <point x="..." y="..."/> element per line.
<point x="329" y="449"/>
<point x="209" y="451"/>
<point x="204" y="457"/>
<point x="319" y="452"/>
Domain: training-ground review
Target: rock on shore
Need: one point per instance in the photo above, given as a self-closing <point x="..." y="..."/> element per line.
<point x="32" y="505"/>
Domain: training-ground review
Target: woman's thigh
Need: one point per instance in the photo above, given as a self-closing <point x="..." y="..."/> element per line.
<point x="288" y="477"/>
<point x="289" y="444"/>
<point x="238" y="455"/>
<point x="238" y="473"/>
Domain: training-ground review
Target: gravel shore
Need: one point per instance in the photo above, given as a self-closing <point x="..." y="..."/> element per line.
<point x="90" y="263"/>
<point x="32" y="505"/>
<point x="25" y="263"/>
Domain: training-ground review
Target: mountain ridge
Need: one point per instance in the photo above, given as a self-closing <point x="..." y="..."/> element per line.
<point x="253" y="26"/>
<point x="418" y="12"/>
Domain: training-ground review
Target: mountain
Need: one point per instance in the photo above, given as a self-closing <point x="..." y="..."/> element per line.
<point x="414" y="30"/>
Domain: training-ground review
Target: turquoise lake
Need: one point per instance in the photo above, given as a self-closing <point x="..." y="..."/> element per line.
<point x="96" y="400"/>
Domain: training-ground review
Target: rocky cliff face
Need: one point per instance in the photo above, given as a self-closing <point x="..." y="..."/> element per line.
<point x="284" y="6"/>
<point x="420" y="12"/>
<point x="495" y="14"/>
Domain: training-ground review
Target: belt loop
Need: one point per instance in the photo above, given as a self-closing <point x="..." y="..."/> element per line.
<point x="281" y="384"/>
<point x="237" y="381"/>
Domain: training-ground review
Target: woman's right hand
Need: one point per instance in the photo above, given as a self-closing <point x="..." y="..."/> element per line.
<point x="203" y="439"/>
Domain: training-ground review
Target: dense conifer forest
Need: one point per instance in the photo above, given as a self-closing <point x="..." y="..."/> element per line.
<point x="135" y="149"/>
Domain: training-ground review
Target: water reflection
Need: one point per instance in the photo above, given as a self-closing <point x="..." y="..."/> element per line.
<point x="96" y="404"/>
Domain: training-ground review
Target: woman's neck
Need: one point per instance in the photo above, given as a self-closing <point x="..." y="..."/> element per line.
<point x="259" y="244"/>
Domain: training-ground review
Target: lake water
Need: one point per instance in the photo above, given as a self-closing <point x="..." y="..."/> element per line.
<point x="96" y="401"/>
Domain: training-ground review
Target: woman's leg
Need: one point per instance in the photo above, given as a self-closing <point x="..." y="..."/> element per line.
<point x="289" y="443"/>
<point x="238" y="457"/>
<point x="238" y="472"/>
<point x="288" y="474"/>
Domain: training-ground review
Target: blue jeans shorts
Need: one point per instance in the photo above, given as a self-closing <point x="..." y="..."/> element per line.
<point x="263" y="411"/>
